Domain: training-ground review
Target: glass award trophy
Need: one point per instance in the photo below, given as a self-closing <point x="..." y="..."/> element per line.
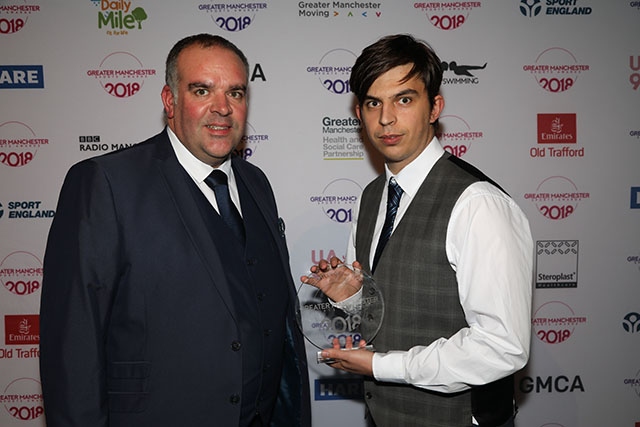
<point x="323" y="320"/>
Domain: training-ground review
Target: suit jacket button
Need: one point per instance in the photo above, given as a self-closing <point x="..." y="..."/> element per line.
<point x="235" y="346"/>
<point x="368" y="395"/>
<point x="234" y="399"/>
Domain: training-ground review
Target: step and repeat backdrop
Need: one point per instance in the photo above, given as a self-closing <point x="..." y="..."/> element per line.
<point x="542" y="95"/>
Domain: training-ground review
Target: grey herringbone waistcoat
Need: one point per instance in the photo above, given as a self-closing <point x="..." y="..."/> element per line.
<point x="420" y="291"/>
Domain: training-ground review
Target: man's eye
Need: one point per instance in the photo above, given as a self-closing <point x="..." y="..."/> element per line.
<point x="201" y="91"/>
<point x="372" y="104"/>
<point x="405" y="100"/>
<point x="237" y="95"/>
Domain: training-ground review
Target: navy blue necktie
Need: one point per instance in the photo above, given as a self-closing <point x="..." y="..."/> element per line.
<point x="393" y="201"/>
<point x="217" y="180"/>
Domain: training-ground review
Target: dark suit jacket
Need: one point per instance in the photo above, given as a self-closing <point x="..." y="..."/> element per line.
<point x="138" y="327"/>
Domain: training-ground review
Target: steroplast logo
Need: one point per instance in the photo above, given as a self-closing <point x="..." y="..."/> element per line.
<point x="532" y="8"/>
<point x="121" y="74"/>
<point x="21" y="77"/>
<point x="334" y="69"/>
<point x="15" y="14"/>
<point x="338" y="199"/>
<point x="556" y="264"/>
<point x="462" y="73"/>
<point x="233" y="17"/>
<point x="118" y="17"/>
<point x="631" y="322"/>
<point x="448" y="15"/>
<point x="23" y="329"/>
<point x="22" y="399"/>
<point x="557" y="197"/>
<point x="555" y="322"/>
<point x="341" y="139"/>
<point x="339" y="389"/>
<point x="18" y="144"/>
<point x="634" y="76"/>
<point x="635" y="198"/>
<point x="456" y="136"/>
<point x="556" y="69"/>
<point x="21" y="273"/>
<point x="251" y="142"/>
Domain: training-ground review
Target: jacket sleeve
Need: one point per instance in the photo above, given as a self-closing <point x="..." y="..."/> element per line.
<point x="79" y="280"/>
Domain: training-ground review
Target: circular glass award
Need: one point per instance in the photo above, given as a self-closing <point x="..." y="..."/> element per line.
<point x="323" y="320"/>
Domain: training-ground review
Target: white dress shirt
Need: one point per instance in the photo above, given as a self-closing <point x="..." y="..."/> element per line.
<point x="489" y="246"/>
<point x="199" y="170"/>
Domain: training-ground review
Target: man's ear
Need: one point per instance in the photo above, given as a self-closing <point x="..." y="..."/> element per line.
<point x="167" y="101"/>
<point x="358" y="112"/>
<point x="436" y="109"/>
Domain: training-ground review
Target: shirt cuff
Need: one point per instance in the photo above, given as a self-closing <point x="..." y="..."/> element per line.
<point x="389" y="367"/>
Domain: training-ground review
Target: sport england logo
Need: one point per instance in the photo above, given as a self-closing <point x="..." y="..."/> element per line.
<point x="455" y="135"/>
<point x="333" y="70"/>
<point x="14" y="15"/>
<point x="448" y="15"/>
<point x="233" y="17"/>
<point x="631" y="322"/>
<point x="121" y="74"/>
<point x="556" y="264"/>
<point x="556" y="197"/>
<point x="118" y="17"/>
<point x="18" y="144"/>
<point x="531" y="8"/>
<point x="556" y="69"/>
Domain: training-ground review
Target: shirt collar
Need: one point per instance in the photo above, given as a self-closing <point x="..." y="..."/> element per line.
<point x="197" y="169"/>
<point x="411" y="177"/>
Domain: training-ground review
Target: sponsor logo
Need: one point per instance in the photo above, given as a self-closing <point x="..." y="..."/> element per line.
<point x="339" y="389"/>
<point x="551" y="384"/>
<point x="556" y="264"/>
<point x="341" y="139"/>
<point x="631" y="322"/>
<point x="121" y="74"/>
<point x="448" y="15"/>
<point x="232" y="17"/>
<point x="634" y="77"/>
<point x="556" y="69"/>
<point x="118" y="17"/>
<point x="14" y="15"/>
<point x="554" y="322"/>
<point x="462" y="73"/>
<point x="557" y="197"/>
<point x="634" y="383"/>
<point x="333" y="70"/>
<point x="21" y="77"/>
<point x="635" y="198"/>
<point x="28" y="209"/>
<point x="251" y="142"/>
<point x="532" y="8"/>
<point x="556" y="128"/>
<point x="21" y="273"/>
<point x="338" y="9"/>
<point x="22" y="329"/>
<point x="455" y="135"/>
<point x="22" y="399"/>
<point x="338" y="199"/>
<point x="18" y="144"/>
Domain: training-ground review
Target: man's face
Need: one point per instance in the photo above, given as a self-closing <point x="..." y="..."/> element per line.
<point x="397" y="117"/>
<point x="208" y="112"/>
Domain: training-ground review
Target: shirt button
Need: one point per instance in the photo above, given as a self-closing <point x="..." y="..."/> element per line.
<point x="234" y="399"/>
<point x="235" y="346"/>
<point x="368" y="395"/>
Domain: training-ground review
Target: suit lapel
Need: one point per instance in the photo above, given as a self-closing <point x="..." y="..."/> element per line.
<point x="177" y="182"/>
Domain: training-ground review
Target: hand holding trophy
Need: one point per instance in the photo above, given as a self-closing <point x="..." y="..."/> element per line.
<point x="339" y="302"/>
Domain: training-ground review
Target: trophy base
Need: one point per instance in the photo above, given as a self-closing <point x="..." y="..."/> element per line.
<point x="329" y="361"/>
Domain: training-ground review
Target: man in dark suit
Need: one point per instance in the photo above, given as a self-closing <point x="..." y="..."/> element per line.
<point x="154" y="312"/>
<point x="451" y="252"/>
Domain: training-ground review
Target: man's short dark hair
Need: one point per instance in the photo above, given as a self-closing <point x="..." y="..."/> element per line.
<point x="393" y="51"/>
<point x="203" y="40"/>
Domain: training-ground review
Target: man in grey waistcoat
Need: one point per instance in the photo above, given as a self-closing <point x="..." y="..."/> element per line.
<point x="451" y="252"/>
